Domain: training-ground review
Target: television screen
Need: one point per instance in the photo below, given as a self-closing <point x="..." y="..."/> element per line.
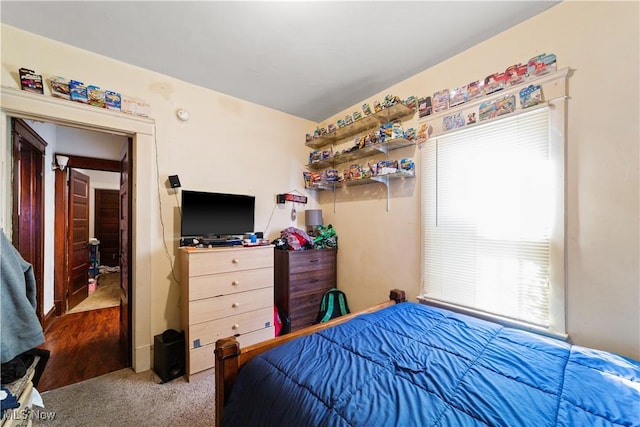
<point x="216" y="214"/>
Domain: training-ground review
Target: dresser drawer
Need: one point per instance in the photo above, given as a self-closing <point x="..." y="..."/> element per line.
<point x="256" y="336"/>
<point x="208" y="332"/>
<point x="318" y="280"/>
<point x="313" y="260"/>
<point x="212" y="261"/>
<point x="204" y="357"/>
<point x="213" y="285"/>
<point x="307" y="304"/>
<point x="303" y="319"/>
<point x="208" y="309"/>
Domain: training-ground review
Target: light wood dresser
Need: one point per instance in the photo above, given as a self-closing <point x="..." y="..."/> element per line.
<point x="224" y="292"/>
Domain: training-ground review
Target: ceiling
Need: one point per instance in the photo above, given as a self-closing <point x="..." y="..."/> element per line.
<point x="308" y="59"/>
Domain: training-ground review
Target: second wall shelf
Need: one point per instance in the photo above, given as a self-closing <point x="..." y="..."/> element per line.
<point x="385" y="178"/>
<point x="367" y="151"/>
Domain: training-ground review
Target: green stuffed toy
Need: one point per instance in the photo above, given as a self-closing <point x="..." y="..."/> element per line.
<point x="326" y="238"/>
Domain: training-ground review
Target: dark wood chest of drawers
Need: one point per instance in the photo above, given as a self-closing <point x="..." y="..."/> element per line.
<point x="301" y="279"/>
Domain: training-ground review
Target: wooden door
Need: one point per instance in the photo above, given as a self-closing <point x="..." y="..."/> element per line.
<point x="78" y="238"/>
<point x="61" y="242"/>
<point x="107" y="217"/>
<point x="125" y="250"/>
<point x="28" y="202"/>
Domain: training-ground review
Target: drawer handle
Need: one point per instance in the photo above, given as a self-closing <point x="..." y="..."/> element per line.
<point x="314" y="260"/>
<point x="235" y="283"/>
<point x="236" y="326"/>
<point x="313" y="280"/>
<point x="235" y="304"/>
<point x="235" y="261"/>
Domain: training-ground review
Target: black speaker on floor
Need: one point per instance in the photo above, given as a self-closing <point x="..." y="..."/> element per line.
<point x="168" y="355"/>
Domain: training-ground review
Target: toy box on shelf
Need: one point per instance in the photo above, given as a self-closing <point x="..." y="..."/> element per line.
<point x="30" y="81"/>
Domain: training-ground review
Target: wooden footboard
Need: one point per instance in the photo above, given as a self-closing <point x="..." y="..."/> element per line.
<point x="230" y="358"/>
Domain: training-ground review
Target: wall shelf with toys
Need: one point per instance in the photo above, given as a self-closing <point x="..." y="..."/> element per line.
<point x="367" y="151"/>
<point x="535" y="92"/>
<point x="375" y="133"/>
<point x="78" y="92"/>
<point x="383" y="178"/>
<point x="405" y="171"/>
<point x="397" y="111"/>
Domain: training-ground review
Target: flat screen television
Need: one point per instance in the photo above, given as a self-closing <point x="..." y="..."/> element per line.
<point x="216" y="215"/>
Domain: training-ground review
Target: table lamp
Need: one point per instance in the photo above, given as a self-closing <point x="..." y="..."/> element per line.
<point x="312" y="219"/>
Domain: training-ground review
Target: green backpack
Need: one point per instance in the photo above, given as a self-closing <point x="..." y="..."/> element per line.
<point x="333" y="304"/>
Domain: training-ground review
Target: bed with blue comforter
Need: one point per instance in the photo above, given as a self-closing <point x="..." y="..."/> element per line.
<point x="415" y="365"/>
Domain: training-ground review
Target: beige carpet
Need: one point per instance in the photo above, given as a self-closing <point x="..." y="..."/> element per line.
<point x="107" y="294"/>
<point x="124" y="398"/>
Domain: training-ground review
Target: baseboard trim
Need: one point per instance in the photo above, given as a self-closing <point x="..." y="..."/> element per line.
<point x="142" y="358"/>
<point x="59" y="307"/>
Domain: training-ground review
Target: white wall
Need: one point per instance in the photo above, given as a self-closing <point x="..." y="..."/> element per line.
<point x="80" y="142"/>
<point x="380" y="250"/>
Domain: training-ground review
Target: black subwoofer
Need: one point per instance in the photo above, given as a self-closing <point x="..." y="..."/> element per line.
<point x="168" y="355"/>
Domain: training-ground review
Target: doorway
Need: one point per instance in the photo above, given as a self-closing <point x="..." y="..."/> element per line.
<point x="89" y="344"/>
<point x="19" y="104"/>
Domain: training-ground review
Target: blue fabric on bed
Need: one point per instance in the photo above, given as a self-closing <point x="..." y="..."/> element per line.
<point x="415" y="365"/>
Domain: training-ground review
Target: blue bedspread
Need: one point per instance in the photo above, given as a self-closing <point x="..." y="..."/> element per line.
<point x="415" y="365"/>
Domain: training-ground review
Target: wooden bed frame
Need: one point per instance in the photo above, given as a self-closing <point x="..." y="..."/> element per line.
<point x="230" y="358"/>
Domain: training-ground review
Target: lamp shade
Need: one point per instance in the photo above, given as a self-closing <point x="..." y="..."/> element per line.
<point x="62" y="161"/>
<point x="313" y="217"/>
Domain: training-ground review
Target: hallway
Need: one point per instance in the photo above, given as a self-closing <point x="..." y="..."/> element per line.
<point x="82" y="345"/>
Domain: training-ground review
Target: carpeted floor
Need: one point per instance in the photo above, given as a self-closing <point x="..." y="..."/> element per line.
<point x="124" y="398"/>
<point x="107" y="294"/>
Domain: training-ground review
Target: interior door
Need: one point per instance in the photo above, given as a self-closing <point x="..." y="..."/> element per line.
<point x="107" y="217"/>
<point x="28" y="201"/>
<point x="125" y="249"/>
<point x="78" y="238"/>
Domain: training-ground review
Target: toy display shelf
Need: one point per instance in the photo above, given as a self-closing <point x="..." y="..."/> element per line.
<point x="553" y="87"/>
<point x="363" y="181"/>
<point x="370" y="150"/>
<point x="386" y="115"/>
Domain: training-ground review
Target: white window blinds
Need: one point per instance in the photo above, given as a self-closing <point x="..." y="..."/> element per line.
<point x="489" y="206"/>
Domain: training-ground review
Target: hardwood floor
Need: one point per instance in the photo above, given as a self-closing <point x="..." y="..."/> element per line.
<point x="82" y="345"/>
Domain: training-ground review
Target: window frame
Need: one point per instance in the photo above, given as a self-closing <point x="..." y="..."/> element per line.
<point x="557" y="268"/>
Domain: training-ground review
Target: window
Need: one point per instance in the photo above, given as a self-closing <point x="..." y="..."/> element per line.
<point x="493" y="219"/>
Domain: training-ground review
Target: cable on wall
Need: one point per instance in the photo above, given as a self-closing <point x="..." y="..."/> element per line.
<point x="164" y="240"/>
<point x="269" y="222"/>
